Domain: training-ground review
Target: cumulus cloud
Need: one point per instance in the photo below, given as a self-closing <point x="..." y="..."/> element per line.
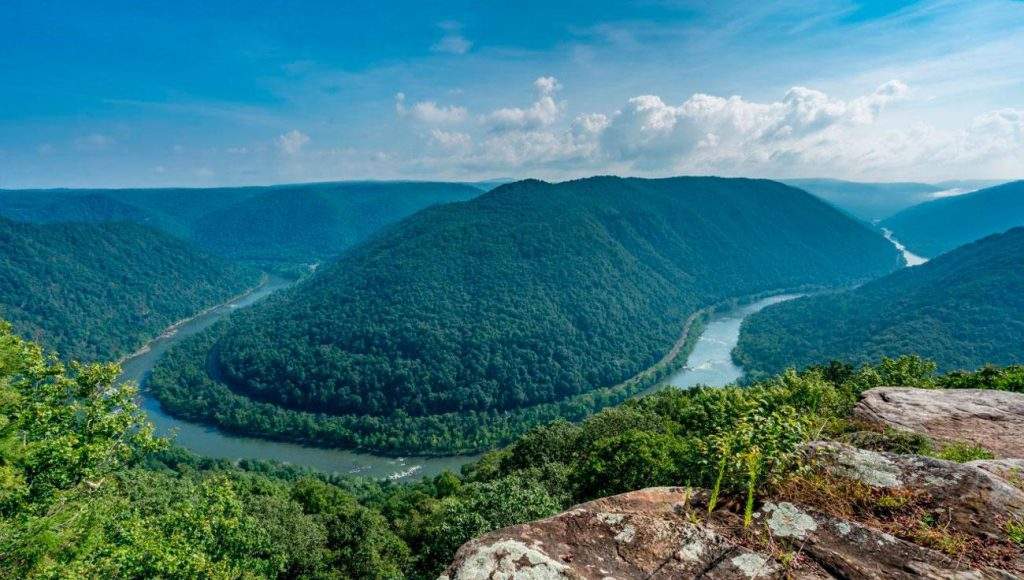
<point x="429" y="111"/>
<point x="452" y="41"/>
<point x="450" y="140"/>
<point x="291" y="143"/>
<point x="709" y="132"/>
<point x="804" y="132"/>
<point x="543" y="112"/>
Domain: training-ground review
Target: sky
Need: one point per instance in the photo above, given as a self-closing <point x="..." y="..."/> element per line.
<point x="129" y="94"/>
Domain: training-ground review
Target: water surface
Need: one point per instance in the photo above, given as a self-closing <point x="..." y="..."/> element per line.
<point x="211" y="442"/>
<point x="911" y="258"/>
<point x="710" y="363"/>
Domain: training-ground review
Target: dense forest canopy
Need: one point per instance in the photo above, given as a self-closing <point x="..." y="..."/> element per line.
<point x="939" y="226"/>
<point x="868" y="201"/>
<point x="98" y="291"/>
<point x="285" y="223"/>
<point x="316" y="221"/>
<point x="531" y="294"/>
<point x="86" y="490"/>
<point x="962" y="309"/>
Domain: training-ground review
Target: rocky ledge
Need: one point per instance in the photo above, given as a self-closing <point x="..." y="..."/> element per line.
<point x="849" y="513"/>
<point x="991" y="419"/>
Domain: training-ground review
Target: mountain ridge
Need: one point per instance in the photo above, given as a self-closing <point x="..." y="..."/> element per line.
<point x="963" y="308"/>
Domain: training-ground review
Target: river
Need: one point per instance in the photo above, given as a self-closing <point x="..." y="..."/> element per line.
<point x="911" y="258"/>
<point x="710" y="363"/>
<point x="211" y="442"/>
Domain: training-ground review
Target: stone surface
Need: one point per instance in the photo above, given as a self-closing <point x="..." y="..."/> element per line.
<point x="665" y="533"/>
<point x="974" y="500"/>
<point x="643" y="534"/>
<point x="991" y="419"/>
<point x="1011" y="470"/>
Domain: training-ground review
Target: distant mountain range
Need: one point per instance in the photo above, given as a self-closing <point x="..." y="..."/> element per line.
<point x="938" y="226"/>
<point x="868" y="201"/>
<point x="531" y="294"/>
<point x="98" y="291"/>
<point x="873" y="202"/>
<point x="287" y="223"/>
<point x="963" y="309"/>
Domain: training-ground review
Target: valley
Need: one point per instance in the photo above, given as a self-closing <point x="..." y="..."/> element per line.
<point x="512" y="290"/>
<point x="468" y="323"/>
<point x="708" y="363"/>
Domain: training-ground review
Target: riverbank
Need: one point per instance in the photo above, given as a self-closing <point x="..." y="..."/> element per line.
<point x="213" y="442"/>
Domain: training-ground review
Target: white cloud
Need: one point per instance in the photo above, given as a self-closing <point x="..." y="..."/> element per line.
<point x="543" y="112"/>
<point x="291" y="143"/>
<point x="430" y="112"/>
<point x="731" y="134"/>
<point x="547" y="85"/>
<point x="450" y="139"/>
<point x="452" y="42"/>
<point x="805" y="132"/>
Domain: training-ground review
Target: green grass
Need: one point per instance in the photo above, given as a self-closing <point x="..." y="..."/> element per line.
<point x="962" y="452"/>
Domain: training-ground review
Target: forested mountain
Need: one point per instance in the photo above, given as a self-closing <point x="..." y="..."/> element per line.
<point x="61" y="206"/>
<point x="938" y="226"/>
<point x="532" y="294"/>
<point x="316" y="221"/>
<point x="963" y="309"/>
<point x="285" y="223"/>
<point x="868" y="201"/>
<point x="97" y="291"/>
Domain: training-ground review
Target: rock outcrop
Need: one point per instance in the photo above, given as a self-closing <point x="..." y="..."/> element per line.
<point x="666" y="533"/>
<point x="991" y="419"/>
<point x="973" y="500"/>
<point x="848" y="513"/>
<point x="649" y="533"/>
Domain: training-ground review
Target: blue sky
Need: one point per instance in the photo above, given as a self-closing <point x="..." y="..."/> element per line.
<point x="210" y="93"/>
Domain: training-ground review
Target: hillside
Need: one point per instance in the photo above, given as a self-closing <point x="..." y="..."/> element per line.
<point x="963" y="309"/>
<point x="284" y="223"/>
<point x="868" y="201"/>
<point x="938" y="226"/>
<point x="97" y="291"/>
<point x="84" y="473"/>
<point x="530" y="295"/>
<point x="316" y="221"/>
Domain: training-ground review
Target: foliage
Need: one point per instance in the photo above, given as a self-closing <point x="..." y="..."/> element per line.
<point x="98" y="291"/>
<point x="962" y="452"/>
<point x="87" y="491"/>
<point x="454" y="329"/>
<point x="963" y="309"/>
<point x="75" y="502"/>
<point x="1015" y="531"/>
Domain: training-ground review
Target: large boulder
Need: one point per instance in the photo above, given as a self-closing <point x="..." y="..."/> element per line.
<point x="971" y="499"/>
<point x="666" y="533"/>
<point x="989" y="418"/>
